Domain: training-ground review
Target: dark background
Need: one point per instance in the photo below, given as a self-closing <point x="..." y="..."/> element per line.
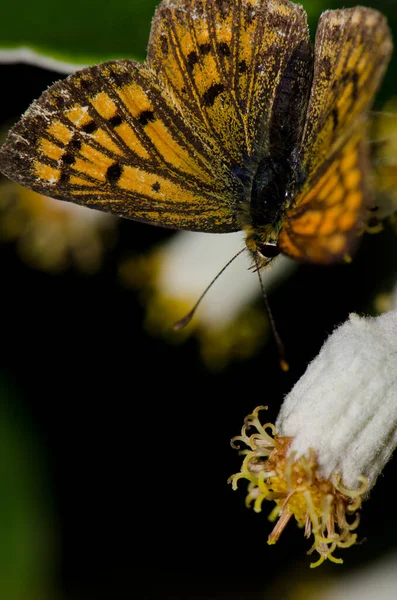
<point x="128" y="437"/>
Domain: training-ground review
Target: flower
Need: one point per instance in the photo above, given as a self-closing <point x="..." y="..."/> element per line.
<point x="52" y="235"/>
<point x="173" y="276"/>
<point x="335" y="432"/>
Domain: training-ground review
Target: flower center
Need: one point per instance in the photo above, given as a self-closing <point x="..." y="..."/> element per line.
<point x="298" y="489"/>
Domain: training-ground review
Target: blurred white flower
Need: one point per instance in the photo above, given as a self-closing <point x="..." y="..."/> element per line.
<point x="173" y="276"/>
<point x="52" y="235"/>
<point x="376" y="582"/>
<point x="335" y="432"/>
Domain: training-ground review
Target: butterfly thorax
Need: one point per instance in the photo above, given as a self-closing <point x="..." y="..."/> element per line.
<point x="277" y="174"/>
<point x="274" y="187"/>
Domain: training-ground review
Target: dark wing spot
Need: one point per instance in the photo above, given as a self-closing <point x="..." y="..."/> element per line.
<point x="115" y="120"/>
<point x="156" y="187"/>
<point x="205" y="49"/>
<point x="335" y="118"/>
<point x="64" y="178"/>
<point x="84" y="83"/>
<point x="210" y="95"/>
<point x="164" y="45"/>
<point x="121" y="78"/>
<point x="145" y="116"/>
<point x="75" y="144"/>
<point x="223" y="49"/>
<point x="355" y="78"/>
<point x="242" y="66"/>
<point x="68" y="158"/>
<point x="192" y="59"/>
<point x="113" y="173"/>
<point x="89" y="127"/>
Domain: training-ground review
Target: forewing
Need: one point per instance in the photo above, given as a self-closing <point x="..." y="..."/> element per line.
<point x="110" y="137"/>
<point x="352" y="50"/>
<point x="222" y="61"/>
<point x="330" y="212"/>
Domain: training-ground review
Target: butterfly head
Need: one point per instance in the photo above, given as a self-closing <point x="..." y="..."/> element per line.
<point x="262" y="244"/>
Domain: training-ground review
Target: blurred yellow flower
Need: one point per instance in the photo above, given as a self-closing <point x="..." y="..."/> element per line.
<point x="53" y="235"/>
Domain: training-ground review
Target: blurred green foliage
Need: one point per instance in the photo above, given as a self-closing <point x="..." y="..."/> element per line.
<point x="82" y="31"/>
<point x="25" y="511"/>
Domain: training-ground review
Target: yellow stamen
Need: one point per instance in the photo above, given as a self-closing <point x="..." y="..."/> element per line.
<point x="297" y="487"/>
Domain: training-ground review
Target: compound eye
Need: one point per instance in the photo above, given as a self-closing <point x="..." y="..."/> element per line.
<point x="269" y="250"/>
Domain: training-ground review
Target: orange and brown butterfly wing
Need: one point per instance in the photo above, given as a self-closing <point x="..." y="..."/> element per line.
<point x="352" y="51"/>
<point x="323" y="225"/>
<point x="222" y="61"/>
<point x="109" y="137"/>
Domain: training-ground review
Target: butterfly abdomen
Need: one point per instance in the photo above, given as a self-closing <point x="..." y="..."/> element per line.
<point x="274" y="183"/>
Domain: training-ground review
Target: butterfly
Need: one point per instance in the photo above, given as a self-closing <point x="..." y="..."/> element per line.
<point x="233" y="122"/>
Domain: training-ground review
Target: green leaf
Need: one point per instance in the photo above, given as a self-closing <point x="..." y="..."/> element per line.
<point x="78" y="31"/>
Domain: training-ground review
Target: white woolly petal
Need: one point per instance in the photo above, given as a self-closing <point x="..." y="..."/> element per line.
<point x="345" y="405"/>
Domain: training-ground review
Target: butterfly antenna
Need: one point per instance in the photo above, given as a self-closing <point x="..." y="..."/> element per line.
<point x="187" y="318"/>
<point x="280" y="346"/>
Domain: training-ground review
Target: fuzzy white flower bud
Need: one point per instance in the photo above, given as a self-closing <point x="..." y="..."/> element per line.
<point x="345" y="405"/>
<point x="336" y="430"/>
